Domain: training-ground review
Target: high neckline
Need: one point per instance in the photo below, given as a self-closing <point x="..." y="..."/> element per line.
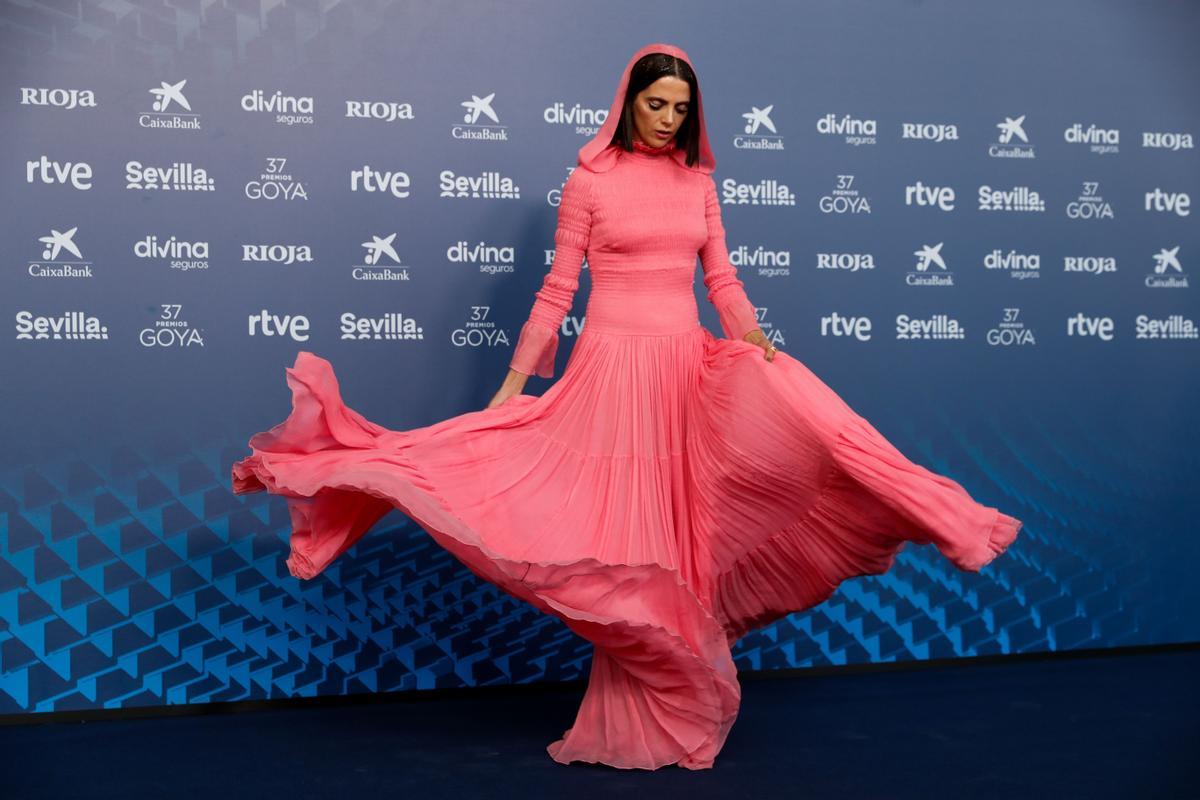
<point x="641" y="147"/>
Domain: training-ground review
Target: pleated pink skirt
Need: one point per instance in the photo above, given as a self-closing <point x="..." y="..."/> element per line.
<point x="666" y="495"/>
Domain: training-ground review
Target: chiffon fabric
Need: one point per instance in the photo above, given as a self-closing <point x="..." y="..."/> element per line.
<point x="671" y="491"/>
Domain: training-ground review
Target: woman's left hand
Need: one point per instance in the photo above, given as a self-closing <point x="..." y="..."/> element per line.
<point x="757" y="337"/>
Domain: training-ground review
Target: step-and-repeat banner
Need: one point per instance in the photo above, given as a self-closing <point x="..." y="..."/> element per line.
<point x="974" y="222"/>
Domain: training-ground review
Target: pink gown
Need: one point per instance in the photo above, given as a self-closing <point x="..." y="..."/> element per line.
<point x="668" y="493"/>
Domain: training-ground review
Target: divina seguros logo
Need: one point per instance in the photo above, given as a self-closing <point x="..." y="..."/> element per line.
<point x="288" y="110"/>
<point x="178" y="254"/>
<point x="584" y="121"/>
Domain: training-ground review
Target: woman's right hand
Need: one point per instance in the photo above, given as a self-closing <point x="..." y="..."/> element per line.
<point x="514" y="384"/>
<point x="758" y="338"/>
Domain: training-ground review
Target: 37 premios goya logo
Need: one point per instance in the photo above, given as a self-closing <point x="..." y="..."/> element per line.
<point x="170" y="330"/>
<point x="275" y="183"/>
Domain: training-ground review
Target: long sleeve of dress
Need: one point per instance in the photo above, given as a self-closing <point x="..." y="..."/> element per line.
<point x="538" y="340"/>
<point x="725" y="290"/>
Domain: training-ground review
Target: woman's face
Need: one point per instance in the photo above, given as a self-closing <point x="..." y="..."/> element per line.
<point x="659" y="110"/>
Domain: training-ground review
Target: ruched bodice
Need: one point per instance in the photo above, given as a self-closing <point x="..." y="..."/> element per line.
<point x="640" y="225"/>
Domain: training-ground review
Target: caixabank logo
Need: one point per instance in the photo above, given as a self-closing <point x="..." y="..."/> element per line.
<point x="1167" y="272"/>
<point x="1011" y="140"/>
<point x="381" y="261"/>
<point x="170" y="109"/>
<point x="56" y="262"/>
<point x="927" y="256"/>
<point x="471" y="129"/>
<point x="759" y="131"/>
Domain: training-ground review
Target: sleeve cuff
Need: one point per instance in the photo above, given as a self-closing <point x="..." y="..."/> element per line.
<point x="738" y="318"/>
<point x="535" y="350"/>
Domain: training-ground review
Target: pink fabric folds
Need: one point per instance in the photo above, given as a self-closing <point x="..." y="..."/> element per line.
<point x="639" y="502"/>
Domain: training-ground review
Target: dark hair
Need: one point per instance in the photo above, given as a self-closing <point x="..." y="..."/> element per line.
<point x="646" y="71"/>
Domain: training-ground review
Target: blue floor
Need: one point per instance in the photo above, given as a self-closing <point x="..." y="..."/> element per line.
<point x="1119" y="726"/>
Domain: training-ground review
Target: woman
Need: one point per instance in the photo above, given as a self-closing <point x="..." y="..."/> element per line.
<point x="671" y="491"/>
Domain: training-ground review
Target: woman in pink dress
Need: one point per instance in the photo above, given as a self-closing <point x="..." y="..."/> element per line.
<point x="670" y="491"/>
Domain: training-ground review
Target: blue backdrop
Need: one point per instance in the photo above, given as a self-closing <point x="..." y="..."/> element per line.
<point x="973" y="221"/>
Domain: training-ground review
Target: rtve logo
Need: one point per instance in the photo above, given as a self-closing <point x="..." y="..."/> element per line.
<point x="264" y="323"/>
<point x="371" y="180"/>
<point x="77" y="174"/>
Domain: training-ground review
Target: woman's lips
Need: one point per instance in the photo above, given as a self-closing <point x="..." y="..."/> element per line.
<point x="662" y="134"/>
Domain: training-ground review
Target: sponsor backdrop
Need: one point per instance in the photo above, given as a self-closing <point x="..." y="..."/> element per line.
<point x="976" y="225"/>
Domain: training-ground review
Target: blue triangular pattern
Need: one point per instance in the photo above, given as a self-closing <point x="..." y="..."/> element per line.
<point x="20" y="532"/>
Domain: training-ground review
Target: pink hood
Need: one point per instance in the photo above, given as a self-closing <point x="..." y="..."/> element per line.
<point x="598" y="155"/>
